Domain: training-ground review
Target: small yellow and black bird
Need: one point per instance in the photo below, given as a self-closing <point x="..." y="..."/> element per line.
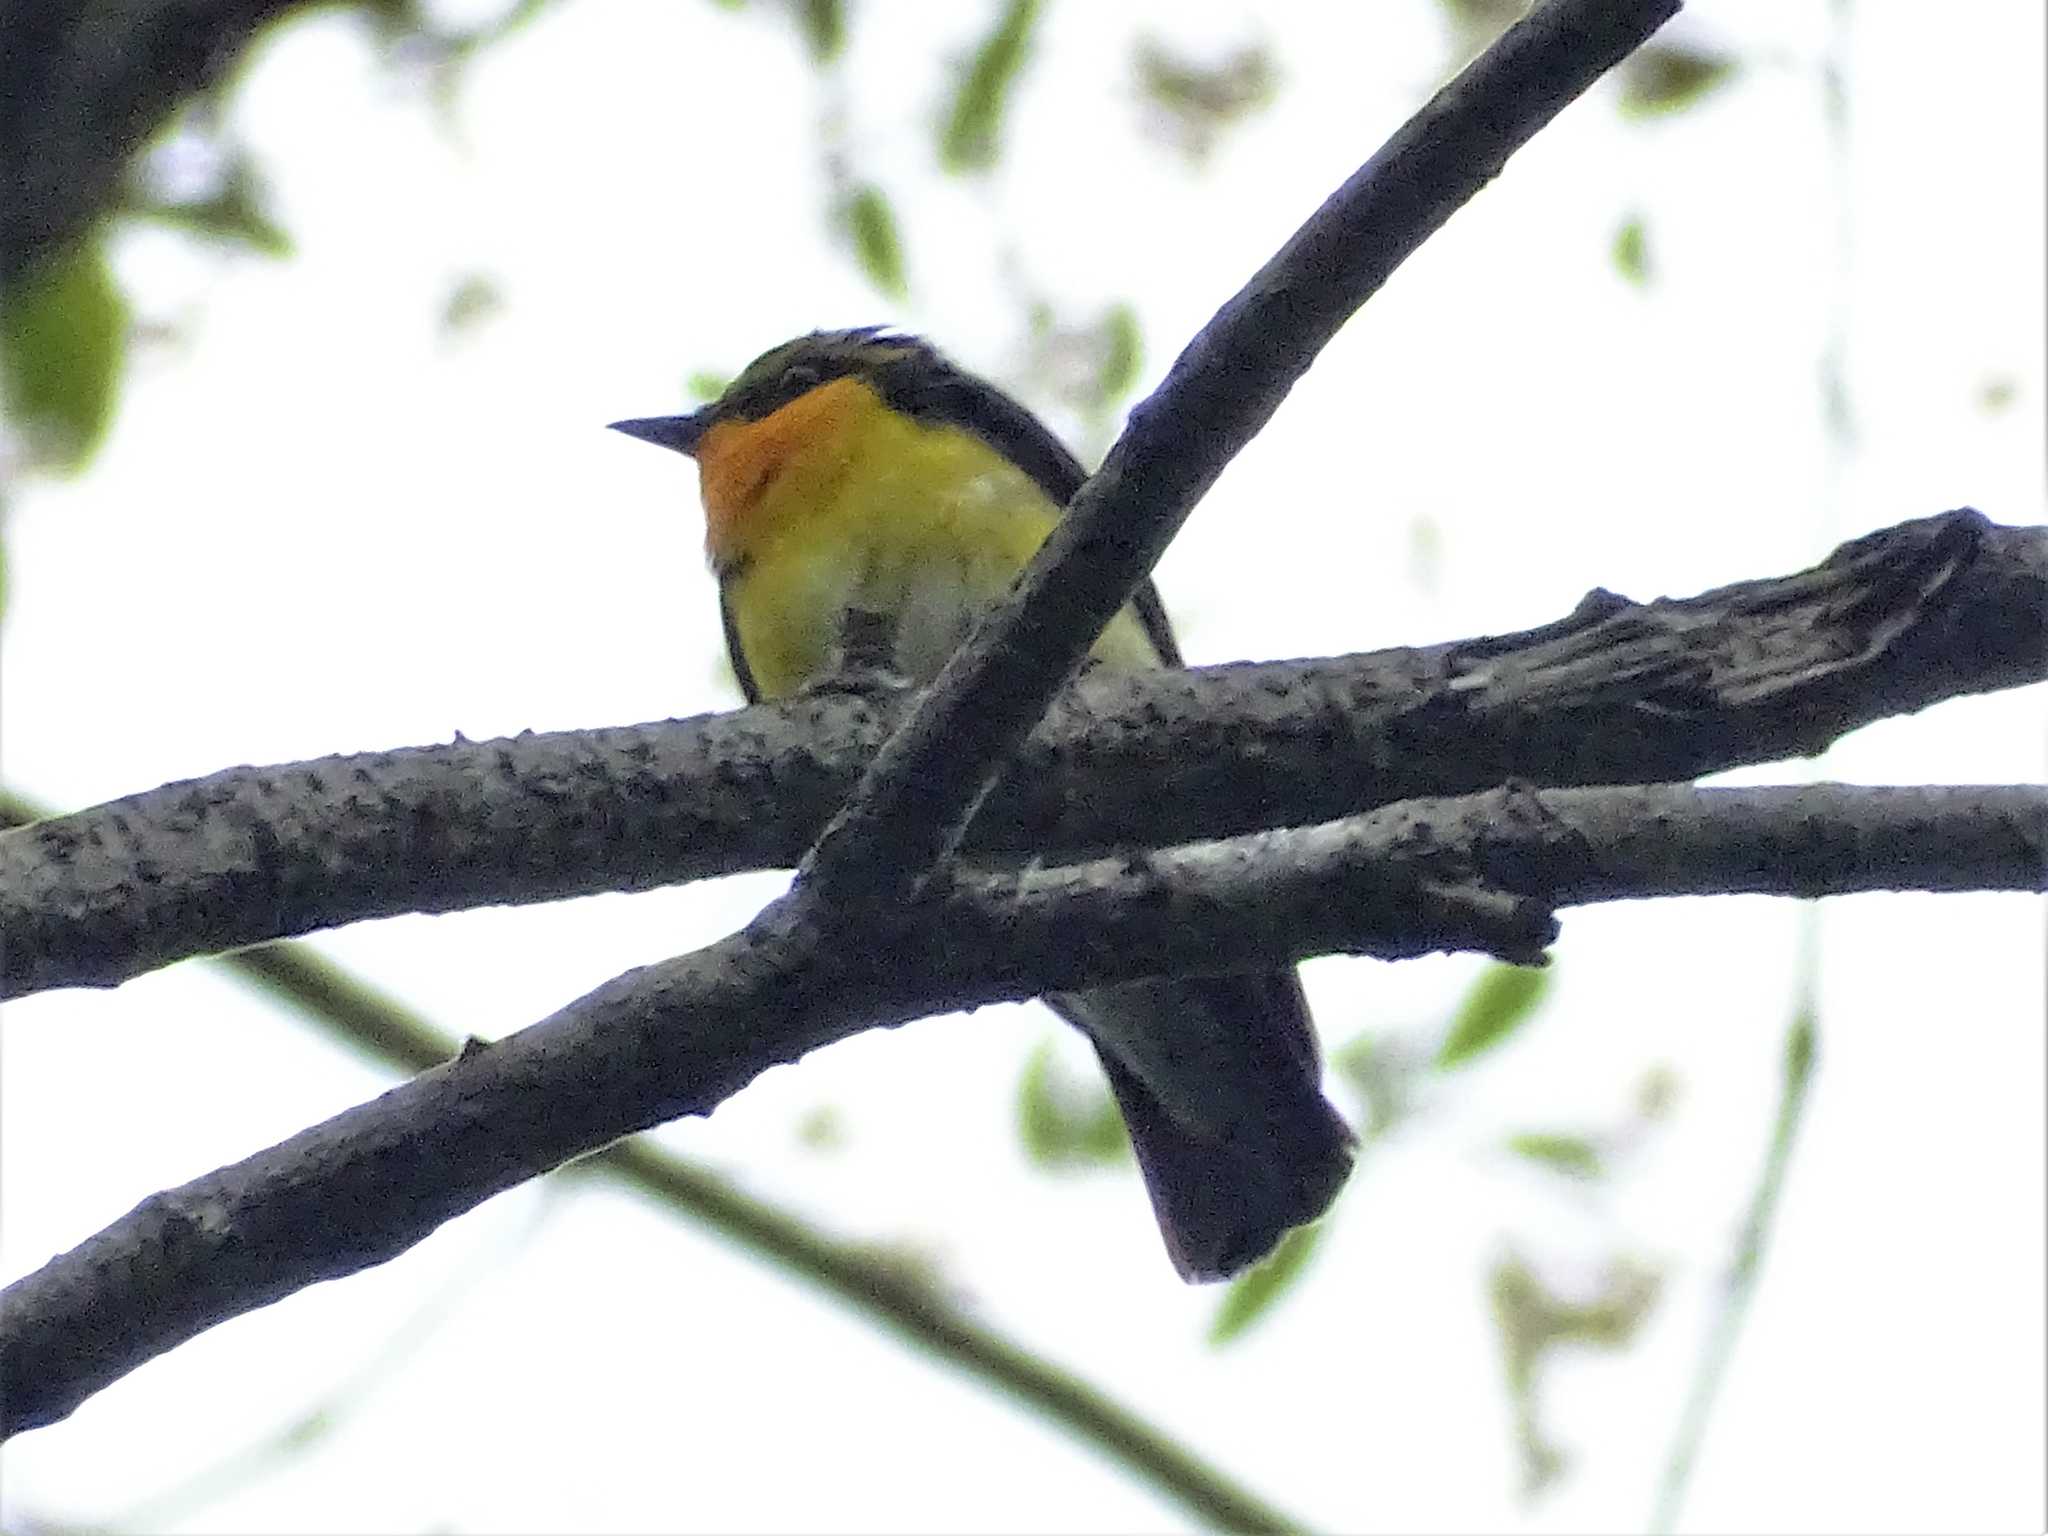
<point x="861" y="471"/>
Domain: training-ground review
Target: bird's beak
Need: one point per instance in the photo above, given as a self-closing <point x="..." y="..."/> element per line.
<point x="677" y="432"/>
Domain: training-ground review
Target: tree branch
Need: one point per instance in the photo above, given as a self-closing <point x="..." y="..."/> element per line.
<point x="888" y="1295"/>
<point x="1615" y="693"/>
<point x="679" y="1037"/>
<point x="915" y="803"/>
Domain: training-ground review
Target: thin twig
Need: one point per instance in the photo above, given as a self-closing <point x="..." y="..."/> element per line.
<point x="1738" y="1289"/>
<point x="305" y="1429"/>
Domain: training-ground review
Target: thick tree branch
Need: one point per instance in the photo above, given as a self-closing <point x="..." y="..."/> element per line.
<point x="915" y="803"/>
<point x="679" y="1037"/>
<point x="898" y="1300"/>
<point x="1616" y="693"/>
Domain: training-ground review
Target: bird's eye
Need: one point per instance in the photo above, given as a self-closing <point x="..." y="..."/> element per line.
<point x="798" y="379"/>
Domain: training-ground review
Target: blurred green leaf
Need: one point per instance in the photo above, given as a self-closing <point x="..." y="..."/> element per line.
<point x="63" y="340"/>
<point x="822" y="1128"/>
<point x="1574" y="1156"/>
<point x="1252" y="1294"/>
<point x="971" y="138"/>
<point x="1533" y="1317"/>
<point x="1357" y="1061"/>
<point x="1631" y="253"/>
<point x="1500" y="1003"/>
<point x="1491" y="16"/>
<point x="471" y="302"/>
<point x="1088" y="366"/>
<point x="1199" y="102"/>
<point x="1997" y="394"/>
<point x="1519" y="1312"/>
<point x="309" y="1428"/>
<point x="824" y="24"/>
<point x="1666" y="78"/>
<point x="705" y="385"/>
<point x="1522" y="1316"/>
<point x="1065" y="1123"/>
<point x="1123" y="354"/>
<point x="870" y="224"/>
<point x="1382" y="1074"/>
<point x="391" y="20"/>
<point x="1614" y="1316"/>
<point x="232" y="214"/>
<point x="1475" y="23"/>
<point x="1532" y="1320"/>
<point x="1656" y="1093"/>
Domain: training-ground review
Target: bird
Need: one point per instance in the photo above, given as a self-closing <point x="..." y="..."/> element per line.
<point x="862" y="472"/>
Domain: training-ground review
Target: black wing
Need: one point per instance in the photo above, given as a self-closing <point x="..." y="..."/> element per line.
<point x="733" y="653"/>
<point x="1219" y="1082"/>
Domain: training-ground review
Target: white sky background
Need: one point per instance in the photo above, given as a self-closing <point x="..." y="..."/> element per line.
<point x="319" y="527"/>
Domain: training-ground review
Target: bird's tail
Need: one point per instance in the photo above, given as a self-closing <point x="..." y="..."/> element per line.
<point x="1219" y="1084"/>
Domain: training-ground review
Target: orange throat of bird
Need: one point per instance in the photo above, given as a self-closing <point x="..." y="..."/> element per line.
<point x="740" y="463"/>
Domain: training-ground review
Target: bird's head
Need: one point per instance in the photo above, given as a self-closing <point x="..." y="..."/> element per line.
<point x="791" y="400"/>
<point x="784" y="375"/>
<point x="819" y="390"/>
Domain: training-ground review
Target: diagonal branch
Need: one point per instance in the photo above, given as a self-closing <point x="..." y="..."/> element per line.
<point x="1616" y="693"/>
<point x="679" y="1037"/>
<point x="917" y="799"/>
<point x="894" y="1298"/>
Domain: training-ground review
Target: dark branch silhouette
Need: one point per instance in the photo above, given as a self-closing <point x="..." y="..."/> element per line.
<point x="679" y="1037"/>
<point x="1617" y="693"/>
<point x="884" y="927"/>
<point x="82" y="88"/>
<point x="916" y="801"/>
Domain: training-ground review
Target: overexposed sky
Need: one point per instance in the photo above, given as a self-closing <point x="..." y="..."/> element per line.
<point x="322" y="526"/>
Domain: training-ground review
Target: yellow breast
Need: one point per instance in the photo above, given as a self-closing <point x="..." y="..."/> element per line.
<point x="836" y="501"/>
